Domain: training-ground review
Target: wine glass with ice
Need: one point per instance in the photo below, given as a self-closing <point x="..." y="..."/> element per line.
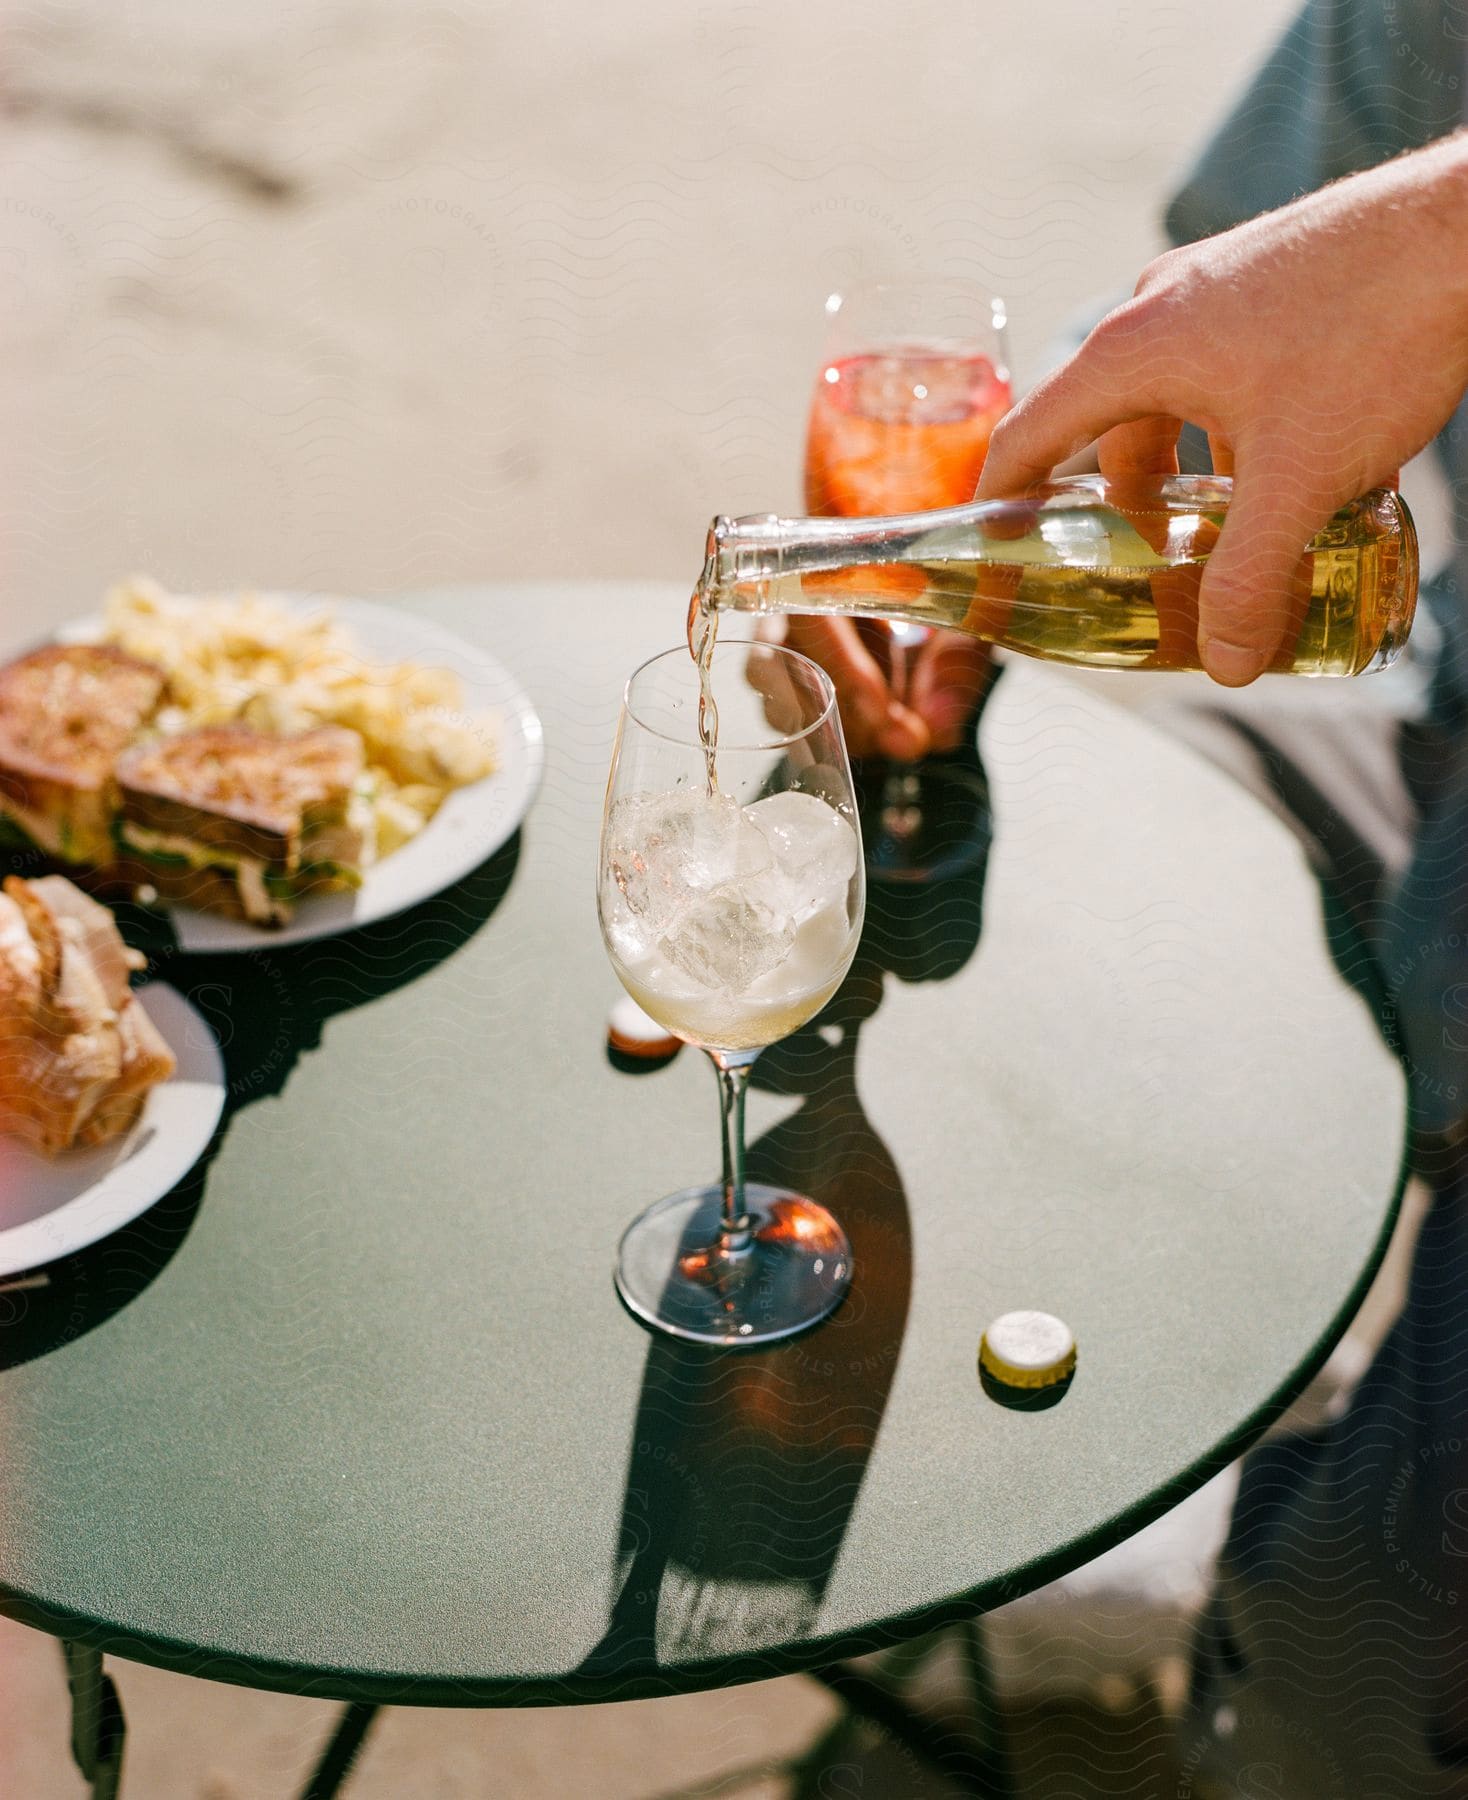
<point x="731" y="912"/>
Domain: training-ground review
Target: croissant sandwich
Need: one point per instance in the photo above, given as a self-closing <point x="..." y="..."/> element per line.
<point x="77" y="1052"/>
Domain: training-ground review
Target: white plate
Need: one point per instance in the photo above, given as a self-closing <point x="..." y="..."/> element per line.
<point x="471" y="824"/>
<point x="53" y="1205"/>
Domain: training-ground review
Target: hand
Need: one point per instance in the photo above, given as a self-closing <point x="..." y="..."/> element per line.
<point x="945" y="679"/>
<point x="1320" y="346"/>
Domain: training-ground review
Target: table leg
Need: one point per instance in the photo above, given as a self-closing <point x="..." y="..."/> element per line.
<point x="993" y="1750"/>
<point x="969" y="1747"/>
<point x="341" y="1752"/>
<point x="97" y="1726"/>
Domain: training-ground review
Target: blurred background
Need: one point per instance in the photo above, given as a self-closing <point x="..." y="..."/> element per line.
<point x="367" y="295"/>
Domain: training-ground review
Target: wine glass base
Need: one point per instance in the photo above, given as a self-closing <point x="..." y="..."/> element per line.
<point x="924" y="821"/>
<point x="674" y="1274"/>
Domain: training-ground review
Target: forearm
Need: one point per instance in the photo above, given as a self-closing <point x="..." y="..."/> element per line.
<point x="1425" y="190"/>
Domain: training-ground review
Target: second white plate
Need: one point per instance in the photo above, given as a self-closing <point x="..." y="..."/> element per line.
<point x="51" y="1206"/>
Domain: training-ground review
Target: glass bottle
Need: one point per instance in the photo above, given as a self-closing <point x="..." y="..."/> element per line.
<point x="1086" y="571"/>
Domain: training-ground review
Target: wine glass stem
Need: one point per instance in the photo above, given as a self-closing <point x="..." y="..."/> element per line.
<point x="733" y="1069"/>
<point x="900" y="815"/>
<point x="897" y="666"/>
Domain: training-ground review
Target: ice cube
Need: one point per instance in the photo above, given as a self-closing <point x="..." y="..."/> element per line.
<point x="719" y="845"/>
<point x="630" y="825"/>
<point x="822" y="942"/>
<point x="665" y="849"/>
<point x="920" y="387"/>
<point x="813" y="853"/>
<point x="629" y="935"/>
<point x="726" y="940"/>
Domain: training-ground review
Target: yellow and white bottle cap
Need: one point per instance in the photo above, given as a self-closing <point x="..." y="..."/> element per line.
<point x="1028" y="1350"/>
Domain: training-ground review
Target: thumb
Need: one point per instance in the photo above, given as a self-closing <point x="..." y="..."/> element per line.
<point x="1251" y="587"/>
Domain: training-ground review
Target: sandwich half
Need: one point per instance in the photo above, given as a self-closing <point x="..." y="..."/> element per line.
<point x="66" y="713"/>
<point x="243" y="822"/>
<point x="77" y="1053"/>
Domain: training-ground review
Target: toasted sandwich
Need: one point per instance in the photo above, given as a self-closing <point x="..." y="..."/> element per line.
<point x="66" y="713"/>
<point x="243" y="822"/>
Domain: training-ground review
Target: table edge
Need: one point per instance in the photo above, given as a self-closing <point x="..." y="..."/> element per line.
<point x="657" y="1681"/>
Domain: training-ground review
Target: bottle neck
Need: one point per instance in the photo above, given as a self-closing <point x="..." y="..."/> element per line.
<point x="748" y="561"/>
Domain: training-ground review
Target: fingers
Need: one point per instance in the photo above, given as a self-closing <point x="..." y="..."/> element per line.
<point x="1142" y="447"/>
<point x="905" y="736"/>
<point x="769" y="675"/>
<point x="948" y="678"/>
<point x="876" y="723"/>
<point x="860" y="683"/>
<point x="1250" y="585"/>
<point x="1133" y="458"/>
<point x="1108" y="382"/>
<point x="1056" y="419"/>
<point x="950" y="675"/>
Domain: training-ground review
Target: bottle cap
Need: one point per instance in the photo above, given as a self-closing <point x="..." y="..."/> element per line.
<point x="631" y="1031"/>
<point x="1028" y="1350"/>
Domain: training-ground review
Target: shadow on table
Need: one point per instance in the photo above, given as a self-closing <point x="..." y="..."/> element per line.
<point x="744" y="1466"/>
<point x="266" y="1007"/>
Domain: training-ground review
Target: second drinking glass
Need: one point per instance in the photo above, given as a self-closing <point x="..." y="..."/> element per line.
<point x="913" y="378"/>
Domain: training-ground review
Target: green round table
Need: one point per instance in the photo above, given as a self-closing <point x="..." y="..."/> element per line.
<point x="356" y="1411"/>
